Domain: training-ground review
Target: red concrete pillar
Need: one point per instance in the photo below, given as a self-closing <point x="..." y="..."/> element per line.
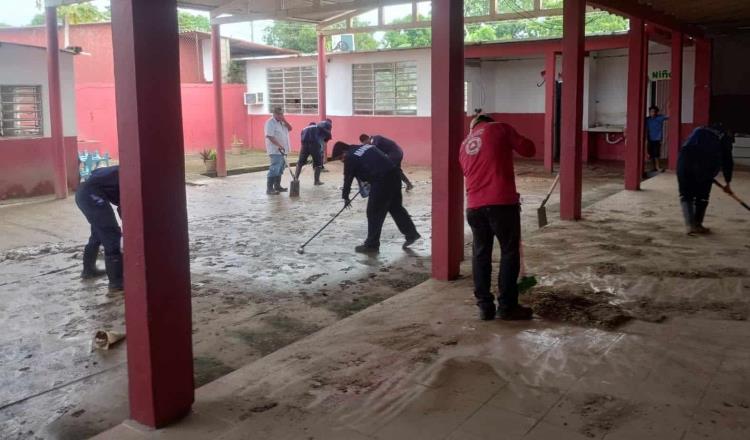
<point x="675" y="101"/>
<point x="635" y="105"/>
<point x="55" y="105"/>
<point x="702" y="96"/>
<point x="152" y="186"/>
<point x="574" y="15"/>
<point x="221" y="156"/>
<point x="448" y="121"/>
<point x="550" y="76"/>
<point x="322" y="77"/>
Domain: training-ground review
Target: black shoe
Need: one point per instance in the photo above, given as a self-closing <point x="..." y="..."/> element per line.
<point x="487" y="313"/>
<point x="277" y="185"/>
<point x="90" y="271"/>
<point x="410" y="241"/>
<point x="364" y="249"/>
<point x="113" y="264"/>
<point x="517" y="313"/>
<point x="318" y="183"/>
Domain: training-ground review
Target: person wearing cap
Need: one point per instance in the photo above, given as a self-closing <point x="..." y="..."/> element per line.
<point x="494" y="212"/>
<point x="707" y="151"/>
<point x="312" y="141"/>
<point x="368" y="164"/>
<point x="276" y="131"/>
<point x="95" y="198"/>
<point x="391" y="149"/>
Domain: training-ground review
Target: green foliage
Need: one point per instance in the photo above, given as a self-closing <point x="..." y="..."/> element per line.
<point x="292" y="35"/>
<point x="76" y="14"/>
<point x="236" y="73"/>
<point x="208" y="154"/>
<point x="188" y="22"/>
<point x="407" y="37"/>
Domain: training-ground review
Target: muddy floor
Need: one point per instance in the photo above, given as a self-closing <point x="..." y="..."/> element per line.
<point x="252" y="293"/>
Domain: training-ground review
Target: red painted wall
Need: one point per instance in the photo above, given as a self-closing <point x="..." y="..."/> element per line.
<point x="96" y="114"/>
<point x="27" y="166"/>
<point x="96" y="64"/>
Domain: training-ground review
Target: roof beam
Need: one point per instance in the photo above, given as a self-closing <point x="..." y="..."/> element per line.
<point x="632" y="8"/>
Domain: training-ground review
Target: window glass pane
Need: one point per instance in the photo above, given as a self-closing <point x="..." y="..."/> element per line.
<point x="295" y="89"/>
<point x="477" y="8"/>
<point x="385" y="88"/>
<point x="21" y="111"/>
<point x="424" y="11"/>
<point x="552" y="4"/>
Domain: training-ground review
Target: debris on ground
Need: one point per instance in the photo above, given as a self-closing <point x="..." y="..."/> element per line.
<point x="601" y="413"/>
<point x="580" y="306"/>
<point x="104" y="340"/>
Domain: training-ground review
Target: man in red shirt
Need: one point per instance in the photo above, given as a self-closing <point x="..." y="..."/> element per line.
<point x="493" y="210"/>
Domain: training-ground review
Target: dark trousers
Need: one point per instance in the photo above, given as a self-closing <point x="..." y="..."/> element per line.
<point x="504" y="223"/>
<point x="104" y="228"/>
<point x="385" y="198"/>
<point x="693" y="181"/>
<point x="310" y="149"/>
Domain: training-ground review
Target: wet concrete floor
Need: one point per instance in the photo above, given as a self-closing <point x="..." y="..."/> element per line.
<point x="252" y="293"/>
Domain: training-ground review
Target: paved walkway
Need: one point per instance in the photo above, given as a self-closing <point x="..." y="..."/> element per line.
<point x="421" y="366"/>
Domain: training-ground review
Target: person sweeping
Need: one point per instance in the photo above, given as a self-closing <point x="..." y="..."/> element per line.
<point x="368" y="164"/>
<point x="391" y="149"/>
<point x="494" y="212"/>
<point x="707" y="151"/>
<point x="95" y="198"/>
<point x="312" y="140"/>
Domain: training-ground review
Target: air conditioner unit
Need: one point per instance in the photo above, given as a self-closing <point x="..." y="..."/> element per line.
<point x="255" y="98"/>
<point x="343" y="43"/>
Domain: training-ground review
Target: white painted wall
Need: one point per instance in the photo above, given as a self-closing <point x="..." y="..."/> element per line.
<point x="497" y="86"/>
<point x="339" y="77"/>
<point x="24" y="65"/>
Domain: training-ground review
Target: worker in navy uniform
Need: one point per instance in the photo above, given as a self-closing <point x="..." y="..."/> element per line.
<point x="95" y="198"/>
<point x="368" y="164"/>
<point x="326" y="129"/>
<point x="707" y="151"/>
<point x="312" y="145"/>
<point x="391" y="149"/>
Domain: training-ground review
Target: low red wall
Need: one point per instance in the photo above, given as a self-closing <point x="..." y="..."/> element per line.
<point x="97" y="115"/>
<point x="27" y="166"/>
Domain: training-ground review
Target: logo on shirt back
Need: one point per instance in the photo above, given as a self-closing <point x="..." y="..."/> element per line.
<point x="361" y="150"/>
<point x="473" y="145"/>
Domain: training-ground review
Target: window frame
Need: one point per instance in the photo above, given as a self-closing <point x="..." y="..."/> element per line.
<point x="16" y="128"/>
<point x="294" y="89"/>
<point x="385" y="88"/>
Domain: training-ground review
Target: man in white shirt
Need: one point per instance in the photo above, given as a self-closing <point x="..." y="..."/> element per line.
<point x="277" y="145"/>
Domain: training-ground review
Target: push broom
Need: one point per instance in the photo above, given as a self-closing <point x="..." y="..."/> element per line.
<point x="732" y="195"/>
<point x="541" y="212"/>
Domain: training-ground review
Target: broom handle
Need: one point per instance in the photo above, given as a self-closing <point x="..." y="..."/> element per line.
<point x="732" y="195"/>
<point x="329" y="221"/>
<point x="552" y="188"/>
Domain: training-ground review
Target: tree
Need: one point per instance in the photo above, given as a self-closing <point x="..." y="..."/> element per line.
<point x="420" y="37"/>
<point x="76" y="14"/>
<point x="236" y="73"/>
<point x="188" y="22"/>
<point x="292" y="35"/>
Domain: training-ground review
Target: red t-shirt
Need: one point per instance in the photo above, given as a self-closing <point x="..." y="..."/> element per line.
<point x="487" y="161"/>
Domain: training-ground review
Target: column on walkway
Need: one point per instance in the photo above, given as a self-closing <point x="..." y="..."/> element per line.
<point x="635" y="105"/>
<point x="702" y="96"/>
<point x="448" y="125"/>
<point x="221" y="155"/>
<point x="675" y="101"/>
<point x="550" y="76"/>
<point x="574" y="16"/>
<point x="55" y="105"/>
<point x="322" y="77"/>
<point x="157" y="265"/>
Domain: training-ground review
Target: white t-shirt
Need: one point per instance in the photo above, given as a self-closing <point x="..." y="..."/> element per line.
<point x="277" y="130"/>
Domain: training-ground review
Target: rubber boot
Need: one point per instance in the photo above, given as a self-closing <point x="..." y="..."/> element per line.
<point x="113" y="264"/>
<point x="270" y="187"/>
<point x="317" y="177"/>
<point x="277" y="185"/>
<point x="700" y="214"/>
<point x="90" y="253"/>
<point x="688" y="213"/>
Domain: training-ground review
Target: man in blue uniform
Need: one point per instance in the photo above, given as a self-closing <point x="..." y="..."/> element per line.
<point x="368" y="164"/>
<point x="95" y="198"/>
<point x="707" y="151"/>
<point x="326" y="134"/>
<point x="312" y="141"/>
<point x="655" y="130"/>
<point x="391" y="149"/>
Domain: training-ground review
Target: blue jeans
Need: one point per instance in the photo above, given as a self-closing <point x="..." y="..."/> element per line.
<point x="277" y="165"/>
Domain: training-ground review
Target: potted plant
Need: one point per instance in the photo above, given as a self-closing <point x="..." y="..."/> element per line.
<point x="209" y="159"/>
<point x="237" y="145"/>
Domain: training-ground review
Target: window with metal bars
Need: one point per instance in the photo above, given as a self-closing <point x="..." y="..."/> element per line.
<point x="295" y="89"/>
<point x="21" y="111"/>
<point x="385" y="88"/>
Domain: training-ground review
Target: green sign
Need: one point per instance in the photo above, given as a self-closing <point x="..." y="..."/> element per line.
<point x="661" y="74"/>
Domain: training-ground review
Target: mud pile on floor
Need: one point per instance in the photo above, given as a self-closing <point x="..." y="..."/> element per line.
<point x="578" y="306"/>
